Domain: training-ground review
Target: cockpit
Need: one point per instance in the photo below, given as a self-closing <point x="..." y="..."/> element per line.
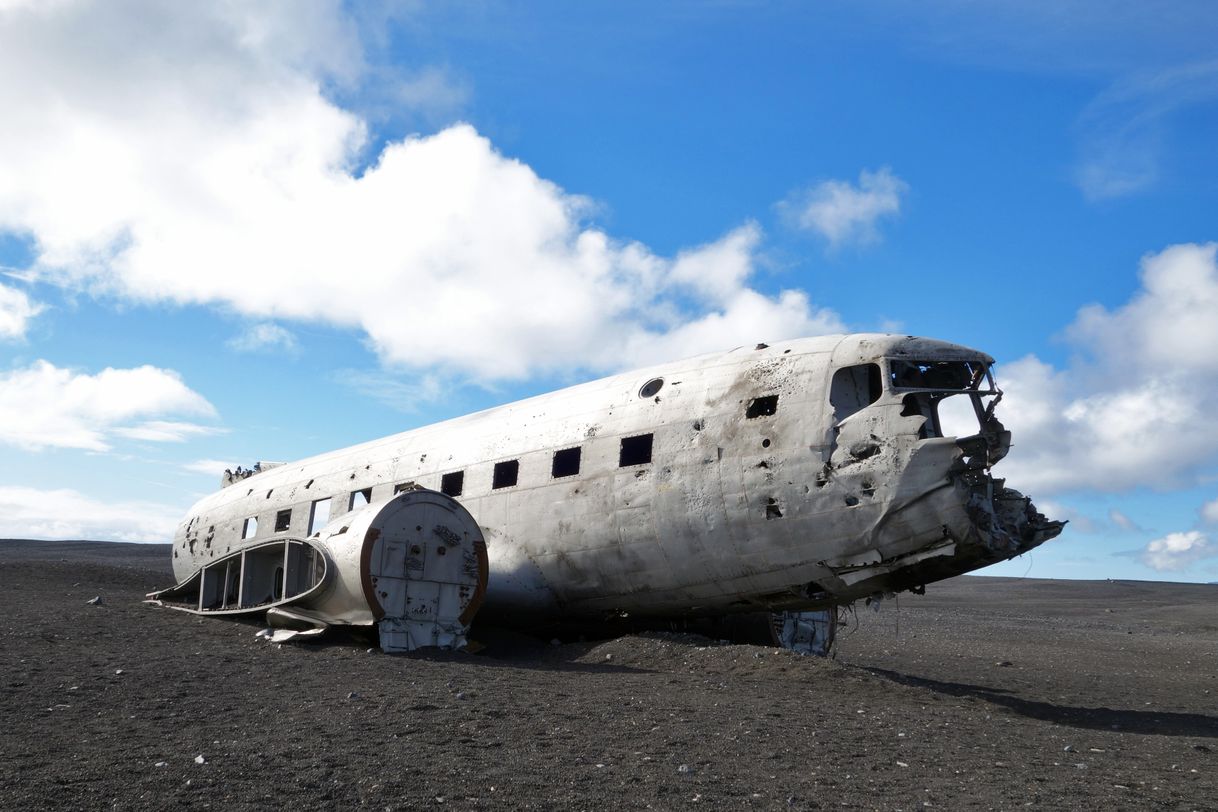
<point x="913" y="435"/>
<point x="956" y="397"/>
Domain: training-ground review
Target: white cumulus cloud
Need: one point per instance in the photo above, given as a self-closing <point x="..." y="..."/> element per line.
<point x="16" y="310"/>
<point x="191" y="156"/>
<point x="45" y="406"/>
<point x="1138" y="405"/>
<point x="843" y="212"/>
<point x="67" y="514"/>
<point x="1177" y="551"/>
<point x="1169" y="324"/>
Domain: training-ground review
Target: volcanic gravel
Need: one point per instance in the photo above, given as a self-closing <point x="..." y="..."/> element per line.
<point x="985" y="693"/>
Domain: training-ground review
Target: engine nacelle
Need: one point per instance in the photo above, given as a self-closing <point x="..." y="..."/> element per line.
<point x="415" y="565"/>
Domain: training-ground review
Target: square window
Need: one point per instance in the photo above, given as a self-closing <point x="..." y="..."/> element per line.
<point x="359" y="498"/>
<point x="319" y="515"/>
<point x="762" y="407"/>
<point x="283" y="520"/>
<point x="505" y="474"/>
<point x="250" y="528"/>
<point x="452" y="484"/>
<point x="635" y="451"/>
<point x="566" y="463"/>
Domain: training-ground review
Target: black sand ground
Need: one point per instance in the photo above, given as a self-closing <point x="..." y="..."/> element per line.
<point x="984" y="693"/>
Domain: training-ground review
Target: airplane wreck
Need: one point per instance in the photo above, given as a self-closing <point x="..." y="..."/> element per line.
<point x="776" y="483"/>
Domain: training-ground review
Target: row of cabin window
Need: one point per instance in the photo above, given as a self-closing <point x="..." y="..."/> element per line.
<point x="633" y="451"/>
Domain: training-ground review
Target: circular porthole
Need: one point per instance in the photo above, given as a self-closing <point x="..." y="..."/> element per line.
<point x="650" y="388"/>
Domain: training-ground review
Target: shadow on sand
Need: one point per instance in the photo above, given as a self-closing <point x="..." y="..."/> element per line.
<point x="1158" y="723"/>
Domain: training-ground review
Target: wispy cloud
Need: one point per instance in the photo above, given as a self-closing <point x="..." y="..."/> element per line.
<point x="45" y="406"/>
<point x="1121" y="521"/>
<point x="432" y="87"/>
<point x="1121" y="130"/>
<point x="264" y="337"/>
<point x="165" y="431"/>
<point x="1079" y="522"/>
<point x="67" y="514"/>
<point x="843" y="212"/>
<point x="1151" y="59"/>
<point x="402" y="393"/>
<point x="1076" y="37"/>
<point x="16" y="310"/>
<point x="212" y="468"/>
<point x="1209" y="512"/>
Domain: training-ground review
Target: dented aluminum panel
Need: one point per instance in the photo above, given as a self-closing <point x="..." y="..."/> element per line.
<point x="786" y="478"/>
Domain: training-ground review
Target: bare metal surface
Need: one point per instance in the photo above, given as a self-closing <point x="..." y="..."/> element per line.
<point x="787" y="477"/>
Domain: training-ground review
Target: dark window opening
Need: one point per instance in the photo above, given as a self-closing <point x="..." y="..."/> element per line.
<point x="452" y="484"/>
<point x="566" y="463"/>
<point x="946" y="376"/>
<point x="635" y="451"/>
<point x="854" y="388"/>
<point x="506" y="474"/>
<point x="762" y="407"/>
<point x="283" y="520"/>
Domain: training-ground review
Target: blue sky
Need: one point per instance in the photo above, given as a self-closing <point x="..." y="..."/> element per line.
<point x="233" y="233"/>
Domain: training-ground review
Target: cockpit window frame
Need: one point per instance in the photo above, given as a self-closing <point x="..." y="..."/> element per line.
<point x="986" y="375"/>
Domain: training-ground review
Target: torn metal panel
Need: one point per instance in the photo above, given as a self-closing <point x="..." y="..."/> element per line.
<point x="239" y="473"/>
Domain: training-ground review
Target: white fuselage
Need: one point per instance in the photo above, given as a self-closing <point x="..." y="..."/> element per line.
<point x="728" y="512"/>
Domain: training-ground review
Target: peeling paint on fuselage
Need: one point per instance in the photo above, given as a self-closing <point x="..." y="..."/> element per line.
<point x="787" y="511"/>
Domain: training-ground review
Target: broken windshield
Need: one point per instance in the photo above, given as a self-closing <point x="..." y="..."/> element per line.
<point x="941" y="376"/>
